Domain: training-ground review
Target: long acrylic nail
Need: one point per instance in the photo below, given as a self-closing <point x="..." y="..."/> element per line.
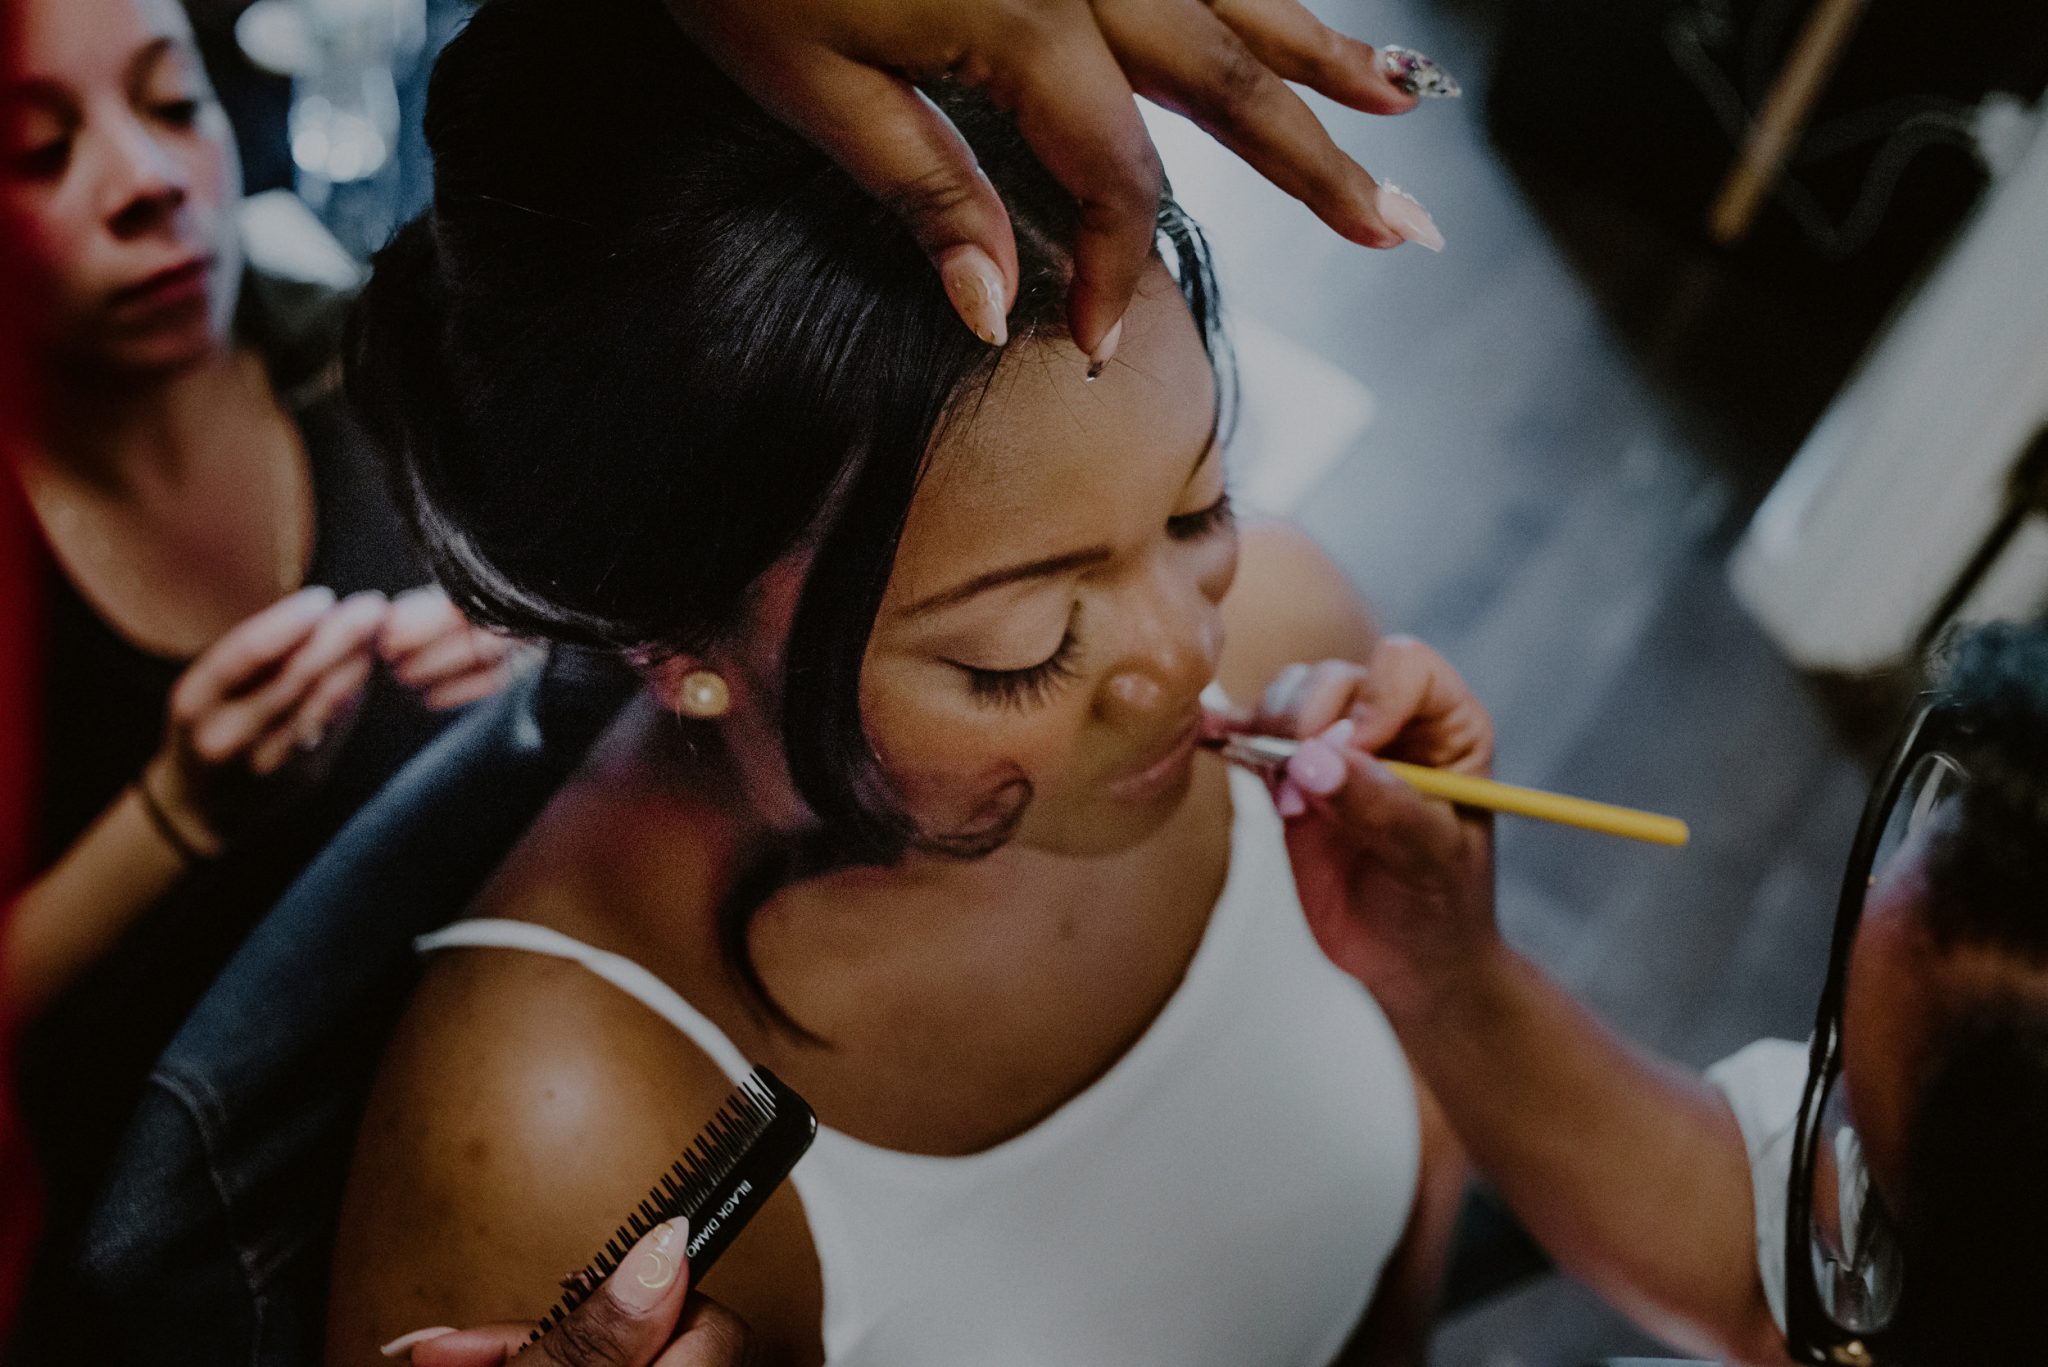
<point x="976" y="289"/>
<point x="1337" y="734"/>
<point x="405" y="1343"/>
<point x="1405" y="215"/>
<point x="650" y="1268"/>
<point x="1415" y="74"/>
<point x="1289" y="801"/>
<point x="1317" y="768"/>
<point x="1105" y="350"/>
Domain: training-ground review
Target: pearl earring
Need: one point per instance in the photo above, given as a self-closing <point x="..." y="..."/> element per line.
<point x="704" y="695"/>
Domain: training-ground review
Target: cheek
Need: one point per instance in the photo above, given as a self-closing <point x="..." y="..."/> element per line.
<point x="57" y="282"/>
<point x="947" y="755"/>
<point x="1218" y="571"/>
<point x="212" y="164"/>
<point x="50" y="232"/>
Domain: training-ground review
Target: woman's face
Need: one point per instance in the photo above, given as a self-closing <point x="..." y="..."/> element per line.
<point x="1053" y="611"/>
<point x="118" y="176"/>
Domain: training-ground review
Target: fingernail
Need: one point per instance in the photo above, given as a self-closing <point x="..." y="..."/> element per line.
<point x="976" y="289"/>
<point x="1405" y="215"/>
<point x="1337" y="734"/>
<point x="318" y="595"/>
<point x="1105" y="350"/>
<point x="1317" y="768"/>
<point x="650" y="1268"/>
<point x="405" y="1343"/>
<point x="1289" y="800"/>
<point x="310" y="738"/>
<point x="1415" y="74"/>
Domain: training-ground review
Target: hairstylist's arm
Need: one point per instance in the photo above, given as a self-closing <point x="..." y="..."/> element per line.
<point x="1632" y="1173"/>
<point x="249" y="712"/>
<point x="643" y="1316"/>
<point x="840" y="72"/>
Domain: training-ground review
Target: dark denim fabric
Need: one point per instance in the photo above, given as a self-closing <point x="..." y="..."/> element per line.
<point x="212" y="1243"/>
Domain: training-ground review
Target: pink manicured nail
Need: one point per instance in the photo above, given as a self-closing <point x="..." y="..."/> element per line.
<point x="1289" y="800"/>
<point x="1317" y="767"/>
<point x="405" y="1343"/>
<point x="976" y="289"/>
<point x="1405" y="215"/>
<point x="1337" y="734"/>
<point x="651" y="1267"/>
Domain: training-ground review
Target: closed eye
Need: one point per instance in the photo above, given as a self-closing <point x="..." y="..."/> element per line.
<point x="178" y="113"/>
<point x="1215" y="517"/>
<point x="1019" y="687"/>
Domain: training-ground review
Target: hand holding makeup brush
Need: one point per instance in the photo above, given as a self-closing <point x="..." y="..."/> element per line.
<point x="1397" y="887"/>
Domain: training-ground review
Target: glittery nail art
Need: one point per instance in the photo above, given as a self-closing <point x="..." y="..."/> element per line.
<point x="1416" y="74"/>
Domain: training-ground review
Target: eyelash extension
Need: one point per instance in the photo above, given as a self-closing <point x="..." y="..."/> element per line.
<point x="1017" y="687"/>
<point x="1189" y="526"/>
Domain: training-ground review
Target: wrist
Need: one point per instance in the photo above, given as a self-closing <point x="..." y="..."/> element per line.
<point x="166" y="801"/>
<point x="1463" y="990"/>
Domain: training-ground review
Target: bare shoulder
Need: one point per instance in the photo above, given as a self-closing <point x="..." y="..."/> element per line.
<point x="522" y="1108"/>
<point x="1290" y="602"/>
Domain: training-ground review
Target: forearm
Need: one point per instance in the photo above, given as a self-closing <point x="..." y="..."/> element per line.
<point x="1632" y="1173"/>
<point x="68" y="918"/>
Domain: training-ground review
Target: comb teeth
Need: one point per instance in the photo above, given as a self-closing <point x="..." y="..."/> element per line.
<point x="694" y="1179"/>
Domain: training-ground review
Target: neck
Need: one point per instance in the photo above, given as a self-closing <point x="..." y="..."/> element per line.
<point x="116" y="429"/>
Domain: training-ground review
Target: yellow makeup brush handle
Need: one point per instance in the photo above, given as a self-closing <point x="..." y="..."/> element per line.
<point x="1606" y="818"/>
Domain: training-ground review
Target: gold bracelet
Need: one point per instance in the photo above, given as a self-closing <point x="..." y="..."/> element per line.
<point x="188" y="852"/>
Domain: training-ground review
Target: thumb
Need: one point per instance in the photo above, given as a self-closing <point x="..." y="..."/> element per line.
<point x="627" y="1320"/>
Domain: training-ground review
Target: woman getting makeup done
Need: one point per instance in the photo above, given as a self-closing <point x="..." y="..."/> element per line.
<point x="217" y="549"/>
<point x="910" y="809"/>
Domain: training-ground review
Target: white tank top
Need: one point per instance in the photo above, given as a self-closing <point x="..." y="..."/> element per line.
<point x="1226" y="1194"/>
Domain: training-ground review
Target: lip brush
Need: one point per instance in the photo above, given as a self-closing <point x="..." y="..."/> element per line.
<point x="1268" y="755"/>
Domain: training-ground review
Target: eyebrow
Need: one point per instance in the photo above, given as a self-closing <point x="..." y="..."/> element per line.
<point x="1050" y="565"/>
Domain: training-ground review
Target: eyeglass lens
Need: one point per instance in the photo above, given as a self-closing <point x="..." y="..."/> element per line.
<point x="1856" y="1263"/>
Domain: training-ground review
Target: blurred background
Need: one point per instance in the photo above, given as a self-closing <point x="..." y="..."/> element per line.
<point x="1682" y="450"/>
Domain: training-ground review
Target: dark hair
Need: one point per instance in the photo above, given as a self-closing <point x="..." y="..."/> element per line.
<point x="1989" y="871"/>
<point x="1973" y="1207"/>
<point x="646" y="342"/>
<point x="1976" y="1193"/>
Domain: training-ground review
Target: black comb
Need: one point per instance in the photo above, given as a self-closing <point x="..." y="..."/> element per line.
<point x="721" y="1182"/>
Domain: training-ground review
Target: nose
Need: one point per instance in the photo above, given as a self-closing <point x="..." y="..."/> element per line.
<point x="1172" y="635"/>
<point x="145" y="185"/>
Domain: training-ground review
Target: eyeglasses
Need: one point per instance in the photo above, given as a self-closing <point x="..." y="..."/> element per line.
<point x="1843" y="1272"/>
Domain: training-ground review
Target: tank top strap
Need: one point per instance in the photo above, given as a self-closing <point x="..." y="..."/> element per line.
<point x="621" y="972"/>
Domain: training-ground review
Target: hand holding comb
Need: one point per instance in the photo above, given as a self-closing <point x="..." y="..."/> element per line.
<point x="718" y="1185"/>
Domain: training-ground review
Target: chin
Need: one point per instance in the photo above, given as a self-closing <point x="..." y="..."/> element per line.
<point x="153" y="352"/>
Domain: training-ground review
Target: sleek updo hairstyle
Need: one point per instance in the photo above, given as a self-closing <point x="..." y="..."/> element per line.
<point x="646" y="342"/>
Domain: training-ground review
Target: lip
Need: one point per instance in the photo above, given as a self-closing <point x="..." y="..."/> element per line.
<point x="1164" y="771"/>
<point x="178" y="284"/>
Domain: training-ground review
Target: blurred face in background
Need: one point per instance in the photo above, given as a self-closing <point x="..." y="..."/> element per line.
<point x="118" y="177"/>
